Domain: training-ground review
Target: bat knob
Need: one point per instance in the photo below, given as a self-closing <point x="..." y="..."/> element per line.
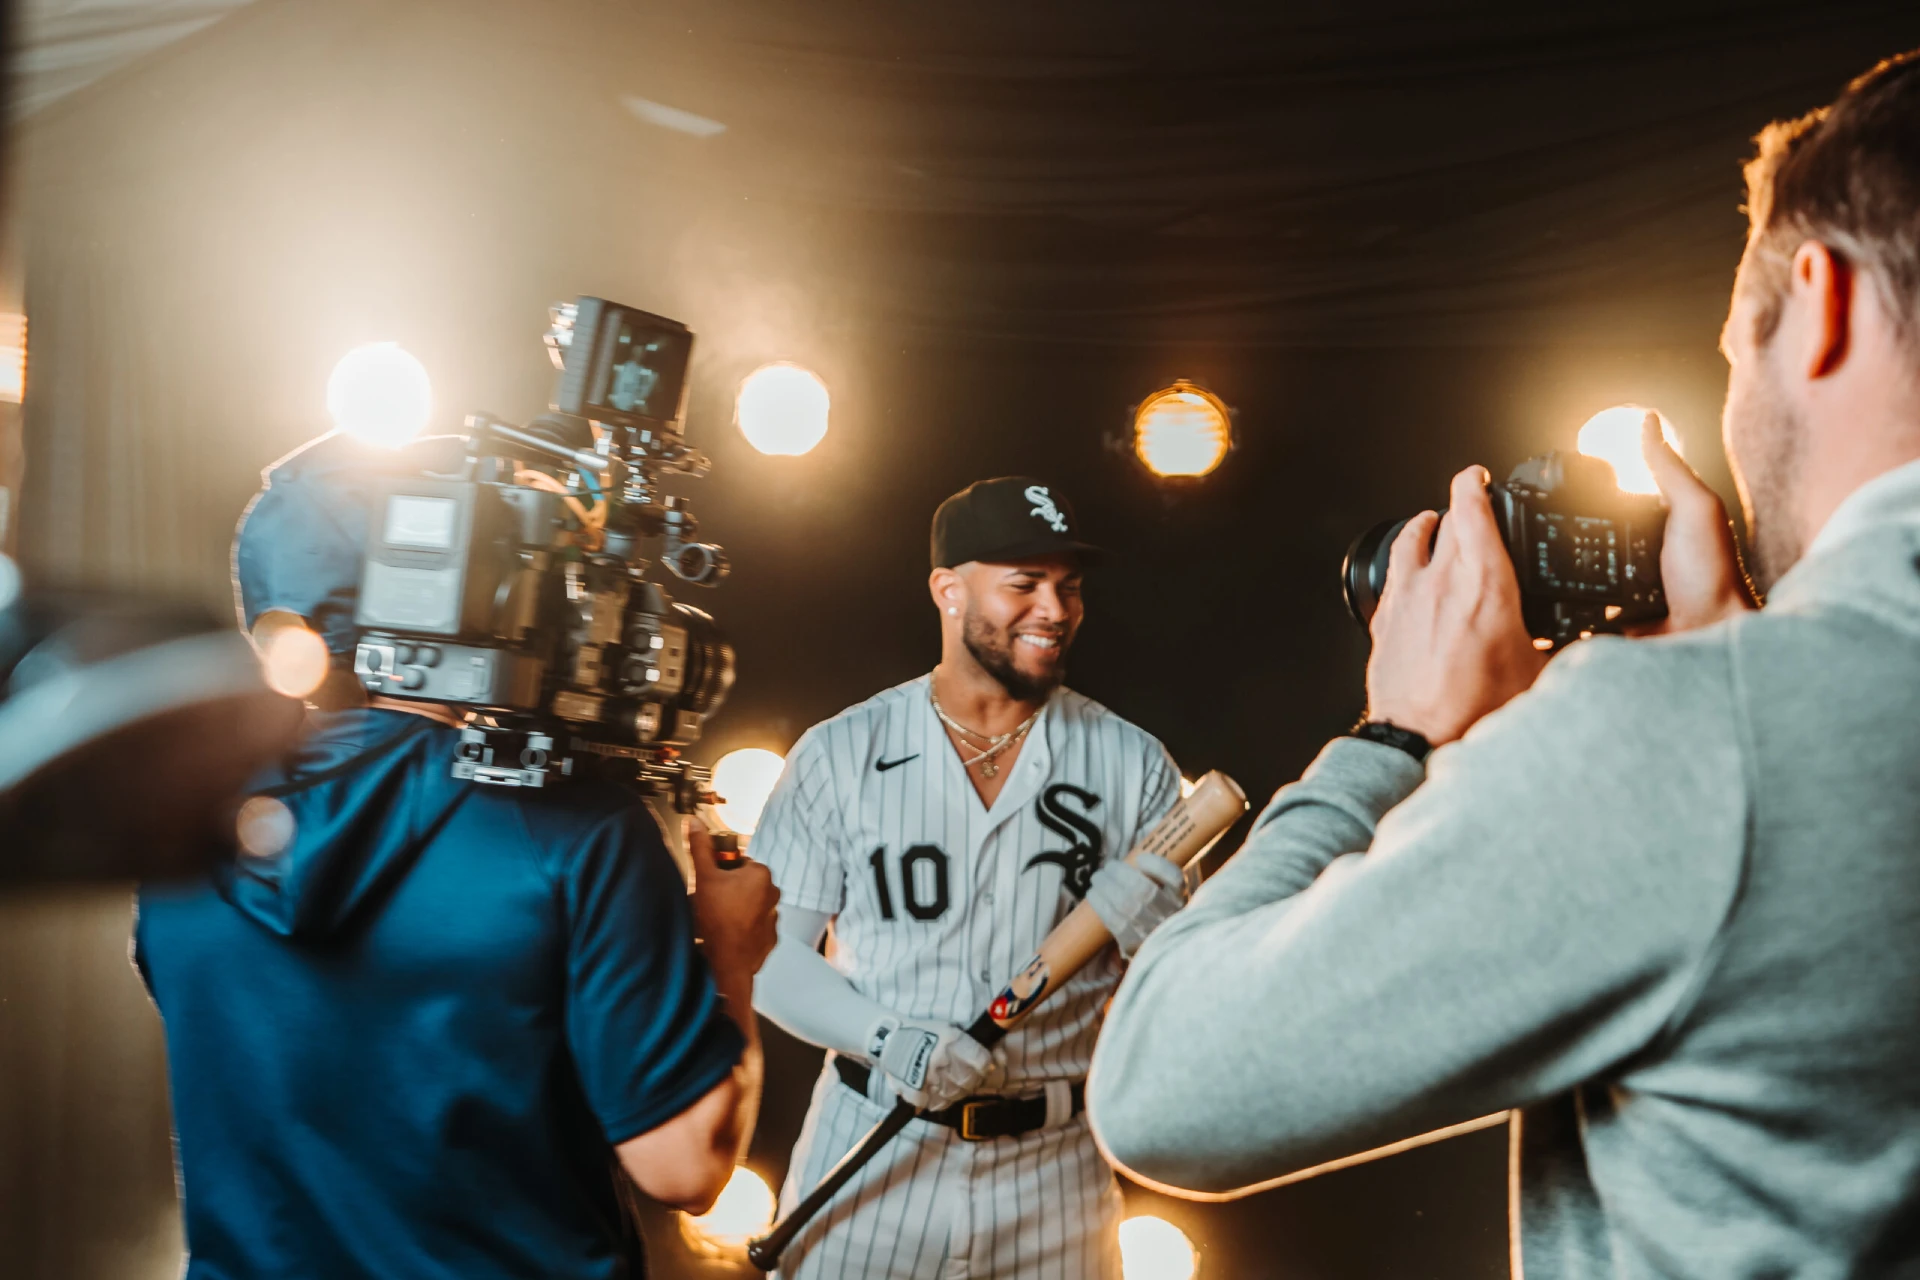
<point x="761" y="1255"/>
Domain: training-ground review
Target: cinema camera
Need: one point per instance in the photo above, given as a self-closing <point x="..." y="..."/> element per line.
<point x="517" y="588"/>
<point x="1587" y="553"/>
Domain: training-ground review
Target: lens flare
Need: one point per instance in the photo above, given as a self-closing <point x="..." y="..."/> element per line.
<point x="1613" y="436"/>
<point x="744" y="779"/>
<point x="1154" y="1249"/>
<point x="782" y="409"/>
<point x="380" y="394"/>
<point x="1182" y="431"/>
<point x="743" y="1211"/>
<point x="264" y="827"/>
<point x="294" y="659"/>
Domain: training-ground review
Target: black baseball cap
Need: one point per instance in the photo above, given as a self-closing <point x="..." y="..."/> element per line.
<point x="1011" y="518"/>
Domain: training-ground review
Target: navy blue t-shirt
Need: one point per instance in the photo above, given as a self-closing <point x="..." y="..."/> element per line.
<point x="405" y="1046"/>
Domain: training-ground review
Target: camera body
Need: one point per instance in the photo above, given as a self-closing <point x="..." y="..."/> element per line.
<point x="517" y="587"/>
<point x="1587" y="553"/>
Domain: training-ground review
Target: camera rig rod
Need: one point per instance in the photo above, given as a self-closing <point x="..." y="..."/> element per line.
<point x="481" y="425"/>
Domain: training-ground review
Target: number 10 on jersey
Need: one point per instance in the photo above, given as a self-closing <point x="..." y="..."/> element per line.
<point x="921" y="873"/>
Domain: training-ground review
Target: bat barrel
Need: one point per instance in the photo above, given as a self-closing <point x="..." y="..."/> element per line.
<point x="765" y="1251"/>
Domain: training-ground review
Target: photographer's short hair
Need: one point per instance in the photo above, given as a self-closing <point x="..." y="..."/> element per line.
<point x="1847" y="175"/>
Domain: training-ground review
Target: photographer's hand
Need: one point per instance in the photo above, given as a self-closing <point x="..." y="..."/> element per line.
<point x="1448" y="641"/>
<point x="1699" y="562"/>
<point x="737" y="917"/>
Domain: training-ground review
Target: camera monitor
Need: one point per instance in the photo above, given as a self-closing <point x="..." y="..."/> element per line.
<point x="624" y="367"/>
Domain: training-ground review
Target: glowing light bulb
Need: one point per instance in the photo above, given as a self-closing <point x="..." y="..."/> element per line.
<point x="782" y="409"/>
<point x="1613" y="436"/>
<point x="1154" y="1249"/>
<point x="743" y="1211"/>
<point x="744" y="779"/>
<point x="380" y="394"/>
<point x="1182" y="431"/>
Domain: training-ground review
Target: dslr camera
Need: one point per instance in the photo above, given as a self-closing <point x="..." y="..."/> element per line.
<point x="517" y="588"/>
<point x="1587" y="553"/>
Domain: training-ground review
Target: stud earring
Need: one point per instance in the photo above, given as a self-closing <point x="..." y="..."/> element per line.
<point x="952" y="610"/>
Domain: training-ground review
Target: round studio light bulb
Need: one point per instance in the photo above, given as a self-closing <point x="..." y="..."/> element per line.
<point x="744" y="779"/>
<point x="1613" y="436"/>
<point x="1154" y="1249"/>
<point x="743" y="1211"/>
<point x="380" y="394"/>
<point x="782" y="409"/>
<point x="1183" y="430"/>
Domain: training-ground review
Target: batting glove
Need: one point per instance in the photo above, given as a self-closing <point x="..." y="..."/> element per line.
<point x="930" y="1064"/>
<point x="1134" y="898"/>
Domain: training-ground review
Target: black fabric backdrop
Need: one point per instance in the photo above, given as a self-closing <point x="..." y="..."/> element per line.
<point x="1397" y="237"/>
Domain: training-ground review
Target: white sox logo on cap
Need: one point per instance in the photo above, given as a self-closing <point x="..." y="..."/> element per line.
<point x="1043" y="507"/>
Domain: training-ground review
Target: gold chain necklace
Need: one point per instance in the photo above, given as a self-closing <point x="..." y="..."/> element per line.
<point x="996" y="742"/>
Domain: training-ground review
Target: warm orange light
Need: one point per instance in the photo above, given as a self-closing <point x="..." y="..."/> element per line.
<point x="1613" y="436"/>
<point x="744" y="779"/>
<point x="1154" y="1249"/>
<point x="783" y="409"/>
<point x="380" y="394"/>
<point x="294" y="659"/>
<point x="743" y="1211"/>
<point x="1182" y="431"/>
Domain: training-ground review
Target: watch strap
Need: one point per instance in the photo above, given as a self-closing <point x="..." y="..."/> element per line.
<point x="1391" y="735"/>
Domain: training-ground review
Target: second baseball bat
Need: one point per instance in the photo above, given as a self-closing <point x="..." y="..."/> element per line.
<point x="1187" y="831"/>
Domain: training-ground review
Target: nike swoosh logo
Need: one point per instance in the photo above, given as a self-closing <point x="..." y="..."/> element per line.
<point x="881" y="766"/>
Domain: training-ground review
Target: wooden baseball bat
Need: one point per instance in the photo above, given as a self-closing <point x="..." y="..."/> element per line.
<point x="1187" y="831"/>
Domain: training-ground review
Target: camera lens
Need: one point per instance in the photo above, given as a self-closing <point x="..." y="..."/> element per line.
<point x="1363" y="574"/>
<point x="701" y="563"/>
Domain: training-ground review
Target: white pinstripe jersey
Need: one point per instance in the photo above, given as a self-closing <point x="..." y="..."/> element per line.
<point x="938" y="901"/>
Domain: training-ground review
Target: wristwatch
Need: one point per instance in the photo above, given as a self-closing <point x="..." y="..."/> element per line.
<point x="1390" y="735"/>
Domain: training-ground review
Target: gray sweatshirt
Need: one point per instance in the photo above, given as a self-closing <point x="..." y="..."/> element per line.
<point x="1666" y="905"/>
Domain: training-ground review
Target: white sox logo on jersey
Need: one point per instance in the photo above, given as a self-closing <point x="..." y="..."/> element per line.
<point x="1043" y="506"/>
<point x="1081" y="859"/>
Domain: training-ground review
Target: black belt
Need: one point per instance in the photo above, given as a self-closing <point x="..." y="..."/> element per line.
<point x="975" y="1119"/>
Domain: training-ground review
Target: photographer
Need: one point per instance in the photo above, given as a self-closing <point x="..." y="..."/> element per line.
<point x="414" y="1030"/>
<point x="1665" y="901"/>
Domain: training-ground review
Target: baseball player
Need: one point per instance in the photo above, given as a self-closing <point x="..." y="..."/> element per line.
<point x="941" y="829"/>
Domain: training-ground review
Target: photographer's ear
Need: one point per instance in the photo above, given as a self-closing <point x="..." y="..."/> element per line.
<point x="1823" y="283"/>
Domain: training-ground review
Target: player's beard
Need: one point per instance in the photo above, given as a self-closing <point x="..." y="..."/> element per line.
<point x="994" y="652"/>
<point x="1767" y="442"/>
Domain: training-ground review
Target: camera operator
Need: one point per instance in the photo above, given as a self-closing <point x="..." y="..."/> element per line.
<point x="1664" y="901"/>
<point x="418" y="1025"/>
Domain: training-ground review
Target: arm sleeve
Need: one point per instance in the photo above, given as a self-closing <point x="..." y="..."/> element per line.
<point x="1534" y="913"/>
<point x="647" y="1030"/>
<point x="800" y="837"/>
<point x="806" y="996"/>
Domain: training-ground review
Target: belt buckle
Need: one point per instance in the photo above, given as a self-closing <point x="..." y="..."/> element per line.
<point x="967" y="1112"/>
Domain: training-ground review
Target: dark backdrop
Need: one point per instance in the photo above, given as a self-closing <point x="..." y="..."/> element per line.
<point x="1397" y="237"/>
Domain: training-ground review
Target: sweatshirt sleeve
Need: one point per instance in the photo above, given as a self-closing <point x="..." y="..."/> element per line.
<point x="1535" y="911"/>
